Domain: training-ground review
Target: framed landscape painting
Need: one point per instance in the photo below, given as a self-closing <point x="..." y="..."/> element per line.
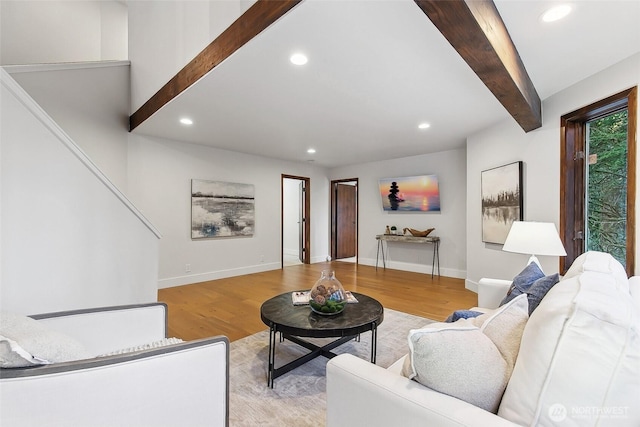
<point x="221" y="209"/>
<point x="501" y="201"/>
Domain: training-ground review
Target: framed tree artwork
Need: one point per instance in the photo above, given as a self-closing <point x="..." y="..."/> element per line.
<point x="502" y="201"/>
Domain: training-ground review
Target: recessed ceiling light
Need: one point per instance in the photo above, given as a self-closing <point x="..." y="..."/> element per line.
<point x="311" y="150"/>
<point x="186" y="121"/>
<point x="424" y="126"/>
<point x="556" y="13"/>
<point x="298" y="59"/>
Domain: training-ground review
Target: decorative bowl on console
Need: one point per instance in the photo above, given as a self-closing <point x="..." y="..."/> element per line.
<point x="418" y="233"/>
<point x="327" y="296"/>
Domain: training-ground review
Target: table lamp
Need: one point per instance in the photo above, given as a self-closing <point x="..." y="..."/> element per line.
<point x="534" y="238"/>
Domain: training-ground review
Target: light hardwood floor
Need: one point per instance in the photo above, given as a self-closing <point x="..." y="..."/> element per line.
<point x="231" y="306"/>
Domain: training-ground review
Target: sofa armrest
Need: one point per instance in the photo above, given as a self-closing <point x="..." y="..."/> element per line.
<point x="181" y="384"/>
<point x="363" y="394"/>
<point x="106" y="329"/>
<point x="491" y="292"/>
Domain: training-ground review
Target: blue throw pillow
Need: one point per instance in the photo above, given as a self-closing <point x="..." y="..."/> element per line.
<point x="539" y="289"/>
<point x="462" y="314"/>
<point x="523" y="281"/>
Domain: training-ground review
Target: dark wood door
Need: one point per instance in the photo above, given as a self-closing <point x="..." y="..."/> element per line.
<point x="346" y="217"/>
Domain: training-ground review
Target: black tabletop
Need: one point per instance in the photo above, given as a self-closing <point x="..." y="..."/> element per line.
<point x="300" y="321"/>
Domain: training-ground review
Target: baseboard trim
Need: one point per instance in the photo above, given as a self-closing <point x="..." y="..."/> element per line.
<point x="222" y="274"/>
<point x="415" y="268"/>
<point x="471" y="285"/>
<point x="214" y="275"/>
<point x="290" y="252"/>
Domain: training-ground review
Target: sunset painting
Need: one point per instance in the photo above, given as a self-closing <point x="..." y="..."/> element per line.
<point x="410" y="194"/>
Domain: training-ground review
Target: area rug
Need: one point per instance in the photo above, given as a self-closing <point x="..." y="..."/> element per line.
<point x="298" y="397"/>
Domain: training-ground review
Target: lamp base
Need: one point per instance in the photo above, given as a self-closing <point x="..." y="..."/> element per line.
<point x="533" y="258"/>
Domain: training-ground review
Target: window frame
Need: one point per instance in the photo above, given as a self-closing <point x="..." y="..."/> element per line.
<point x="572" y="173"/>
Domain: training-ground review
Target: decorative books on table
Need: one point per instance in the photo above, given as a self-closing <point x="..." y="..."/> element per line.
<point x="302" y="297"/>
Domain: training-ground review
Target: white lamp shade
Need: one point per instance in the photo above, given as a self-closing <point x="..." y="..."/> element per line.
<point x="534" y="238"/>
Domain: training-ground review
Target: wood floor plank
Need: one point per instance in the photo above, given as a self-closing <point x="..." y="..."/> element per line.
<point x="231" y="306"/>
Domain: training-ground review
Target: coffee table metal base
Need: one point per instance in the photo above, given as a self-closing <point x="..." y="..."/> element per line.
<point x="315" y="351"/>
<point x="298" y="323"/>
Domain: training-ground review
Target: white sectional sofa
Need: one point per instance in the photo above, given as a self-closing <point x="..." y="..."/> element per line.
<point x="176" y="384"/>
<point x="578" y="365"/>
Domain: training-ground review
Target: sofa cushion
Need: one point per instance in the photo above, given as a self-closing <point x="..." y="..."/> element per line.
<point x="523" y="281"/>
<point x="580" y="351"/>
<point x="634" y="289"/>
<point x="27" y="342"/>
<point x="599" y="262"/>
<point x="470" y="359"/>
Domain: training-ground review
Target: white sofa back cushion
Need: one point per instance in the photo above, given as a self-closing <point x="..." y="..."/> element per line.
<point x="579" y="359"/>
<point x="600" y="262"/>
<point x="634" y="289"/>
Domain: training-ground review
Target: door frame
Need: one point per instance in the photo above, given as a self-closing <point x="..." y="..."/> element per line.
<point x="307" y="217"/>
<point x="334" y="213"/>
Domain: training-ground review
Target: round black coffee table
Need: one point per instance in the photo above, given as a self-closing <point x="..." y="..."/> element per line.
<point x="295" y="321"/>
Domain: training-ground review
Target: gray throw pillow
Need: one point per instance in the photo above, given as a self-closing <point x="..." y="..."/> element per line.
<point x="523" y="281"/>
<point x="539" y="289"/>
<point x="462" y="314"/>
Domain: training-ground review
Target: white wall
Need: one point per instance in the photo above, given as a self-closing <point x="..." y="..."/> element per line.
<point x="70" y="239"/>
<point x="449" y="223"/>
<point x="540" y="151"/>
<point x="165" y="35"/>
<point x="160" y="173"/>
<point x="91" y="103"/>
<point x="35" y="32"/>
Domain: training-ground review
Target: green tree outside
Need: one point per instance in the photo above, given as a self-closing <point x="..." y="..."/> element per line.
<point x="607" y="185"/>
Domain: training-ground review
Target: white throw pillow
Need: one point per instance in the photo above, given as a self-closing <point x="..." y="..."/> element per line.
<point x="27" y="342"/>
<point x="14" y="356"/>
<point x="459" y="361"/>
<point x="505" y="325"/>
<point x="471" y="359"/>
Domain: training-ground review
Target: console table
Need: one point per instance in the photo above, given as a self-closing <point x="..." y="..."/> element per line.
<point x="409" y="239"/>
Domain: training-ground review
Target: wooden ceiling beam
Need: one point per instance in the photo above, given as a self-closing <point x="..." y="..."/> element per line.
<point x="476" y="31"/>
<point x="257" y="18"/>
<point x="473" y="27"/>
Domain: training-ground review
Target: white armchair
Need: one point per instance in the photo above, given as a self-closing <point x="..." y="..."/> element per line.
<point x="176" y="385"/>
<point x="491" y="292"/>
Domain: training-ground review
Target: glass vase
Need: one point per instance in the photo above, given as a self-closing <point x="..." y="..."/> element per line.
<point x="328" y="296"/>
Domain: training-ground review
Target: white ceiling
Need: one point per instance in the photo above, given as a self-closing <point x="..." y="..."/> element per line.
<point x="376" y="70"/>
